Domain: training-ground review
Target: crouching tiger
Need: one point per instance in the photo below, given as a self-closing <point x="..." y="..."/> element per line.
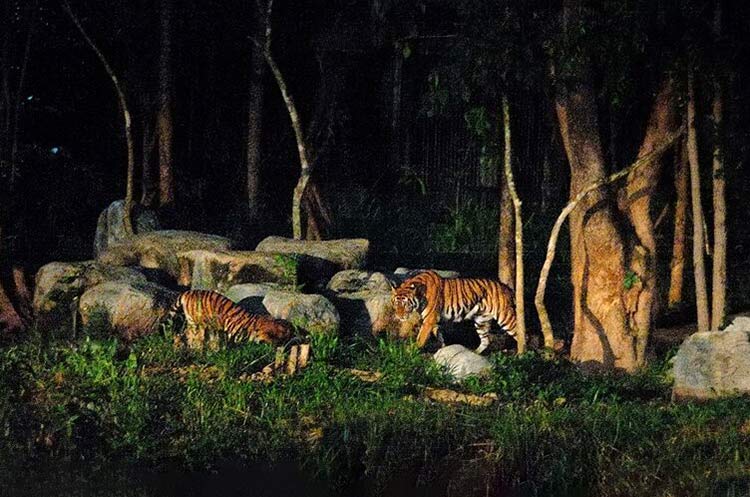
<point x="455" y="299"/>
<point x="213" y="319"/>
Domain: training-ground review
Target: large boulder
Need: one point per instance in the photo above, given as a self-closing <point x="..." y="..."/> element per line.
<point x="319" y="260"/>
<point x="462" y="362"/>
<point x="130" y="310"/>
<point x="313" y="313"/>
<point x="59" y="284"/>
<point x="110" y="227"/>
<point x="363" y="299"/>
<point x="713" y="364"/>
<point x="220" y="269"/>
<point x="250" y="295"/>
<point x="159" y="249"/>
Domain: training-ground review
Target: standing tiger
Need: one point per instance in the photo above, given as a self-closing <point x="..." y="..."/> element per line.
<point x="455" y="299"/>
<point x="212" y="318"/>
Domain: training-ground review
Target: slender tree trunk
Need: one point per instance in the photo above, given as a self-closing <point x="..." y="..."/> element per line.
<point x="719" y="273"/>
<point x="302" y="147"/>
<point x="255" y="119"/>
<point x="130" y="182"/>
<point x="679" y="247"/>
<point x="149" y="176"/>
<point x="506" y="263"/>
<point x="642" y="297"/>
<point x="165" y="117"/>
<point x="699" y="270"/>
<point x="519" y="286"/>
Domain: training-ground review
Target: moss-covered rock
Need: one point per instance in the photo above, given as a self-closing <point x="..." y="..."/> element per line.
<point x="59" y="284"/>
<point x="129" y="310"/>
<point x="320" y="259"/>
<point x="220" y="269"/>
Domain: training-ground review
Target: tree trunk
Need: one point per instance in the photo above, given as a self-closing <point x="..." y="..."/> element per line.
<point x="149" y="176"/>
<point x="699" y="270"/>
<point x="506" y="254"/>
<point x="130" y="182"/>
<point x="255" y="119"/>
<point x="642" y="295"/>
<point x="601" y="333"/>
<point x="300" y="190"/>
<point x="719" y="269"/>
<point x="679" y="247"/>
<point x="165" y="117"/>
<point x="511" y="187"/>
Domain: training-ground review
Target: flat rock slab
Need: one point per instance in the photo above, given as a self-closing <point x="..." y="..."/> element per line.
<point x="129" y="310"/>
<point x="220" y="269"/>
<point x="159" y="249"/>
<point x="462" y="362"/>
<point x="313" y="313"/>
<point x="320" y="259"/>
<point x="710" y="365"/>
<point x="58" y="284"/>
<point x="402" y="273"/>
<point x="357" y="280"/>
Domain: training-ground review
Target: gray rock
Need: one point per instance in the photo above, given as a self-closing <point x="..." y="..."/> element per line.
<point x="320" y="259"/>
<point x="357" y="280"/>
<point x="110" y="227"/>
<point x="740" y="323"/>
<point x="220" y="269"/>
<point x="311" y="312"/>
<point x="250" y="295"/>
<point x="130" y="310"/>
<point x="159" y="249"/>
<point x="712" y="364"/>
<point x="363" y="299"/>
<point x="462" y="362"/>
<point x="402" y="273"/>
<point x="59" y="284"/>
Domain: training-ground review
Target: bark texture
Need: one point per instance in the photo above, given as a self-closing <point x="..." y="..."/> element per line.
<point x="255" y="119"/>
<point x="679" y="245"/>
<point x="699" y="269"/>
<point x="518" y="234"/>
<point x="165" y="117"/>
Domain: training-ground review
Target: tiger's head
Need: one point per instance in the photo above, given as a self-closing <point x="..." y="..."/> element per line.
<point x="276" y="331"/>
<point x="407" y="298"/>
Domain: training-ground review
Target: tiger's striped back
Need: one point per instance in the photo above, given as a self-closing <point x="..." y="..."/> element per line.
<point x="207" y="311"/>
<point x="456" y="299"/>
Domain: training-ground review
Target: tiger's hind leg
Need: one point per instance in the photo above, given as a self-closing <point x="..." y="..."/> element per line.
<point x="483" y="330"/>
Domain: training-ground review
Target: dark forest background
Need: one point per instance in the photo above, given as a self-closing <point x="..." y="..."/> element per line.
<point x="402" y="101"/>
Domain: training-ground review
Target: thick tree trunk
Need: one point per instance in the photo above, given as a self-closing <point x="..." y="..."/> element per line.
<point x="506" y="255"/>
<point x="719" y="268"/>
<point x="518" y="235"/>
<point x="149" y="175"/>
<point x="642" y="296"/>
<point x="699" y="269"/>
<point x="679" y="245"/>
<point x="165" y="117"/>
<point x="601" y="333"/>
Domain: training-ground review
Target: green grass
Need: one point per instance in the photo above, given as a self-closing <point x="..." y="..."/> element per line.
<point x="553" y="430"/>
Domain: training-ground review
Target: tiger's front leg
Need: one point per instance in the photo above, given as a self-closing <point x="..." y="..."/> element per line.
<point x="429" y="327"/>
<point x="483" y="330"/>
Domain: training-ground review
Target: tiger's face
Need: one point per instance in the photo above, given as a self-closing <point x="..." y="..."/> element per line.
<point x="275" y="331"/>
<point x="406" y="299"/>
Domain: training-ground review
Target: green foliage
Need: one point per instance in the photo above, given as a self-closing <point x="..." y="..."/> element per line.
<point x="289" y="264"/>
<point x="552" y="430"/>
<point x="631" y="278"/>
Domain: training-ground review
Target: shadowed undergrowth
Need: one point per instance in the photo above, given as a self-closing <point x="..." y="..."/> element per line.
<point x="552" y="429"/>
